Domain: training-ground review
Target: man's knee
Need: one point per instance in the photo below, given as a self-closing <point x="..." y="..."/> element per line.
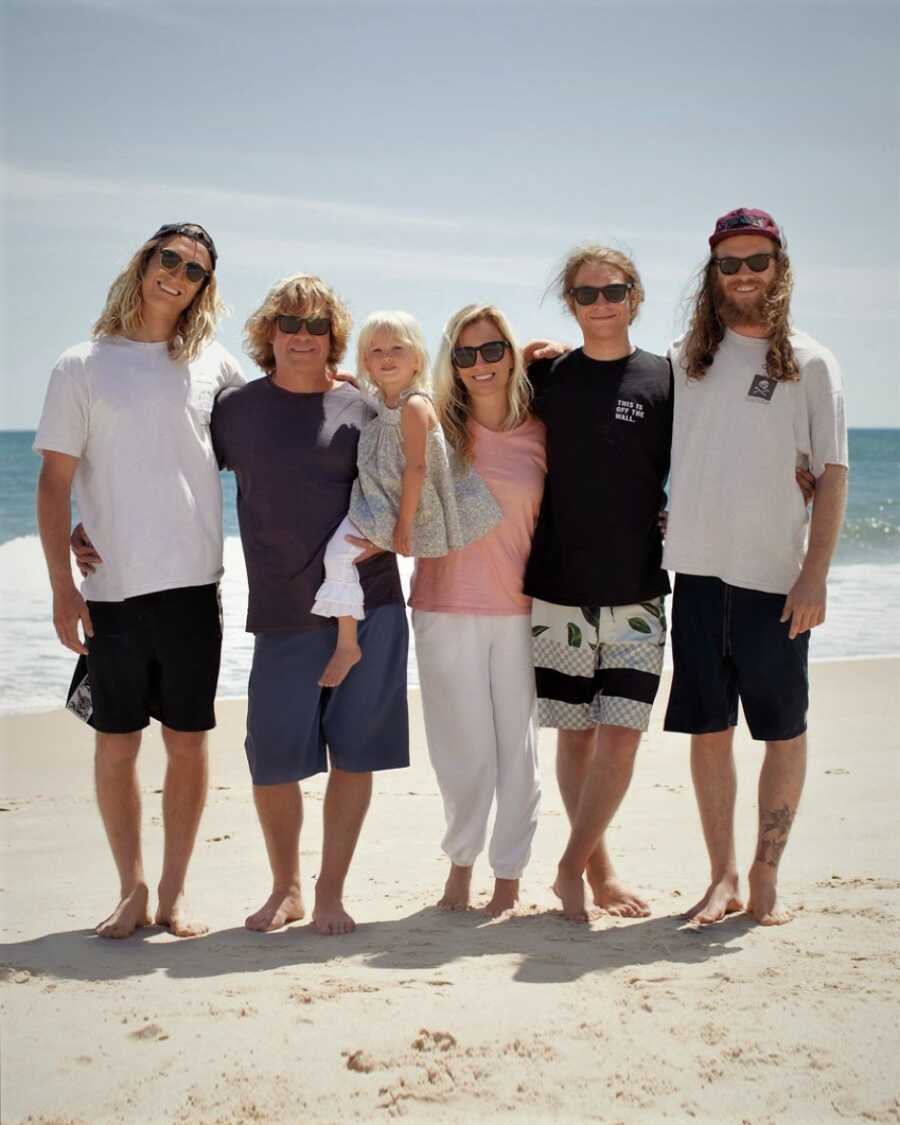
<point x="618" y="742"/>
<point x="787" y="745"/>
<point x="117" y="749"/>
<point x="184" y="745"/>
<point x="569" y="741"/>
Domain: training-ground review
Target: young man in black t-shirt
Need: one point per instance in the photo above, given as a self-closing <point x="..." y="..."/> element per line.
<point x="594" y="573"/>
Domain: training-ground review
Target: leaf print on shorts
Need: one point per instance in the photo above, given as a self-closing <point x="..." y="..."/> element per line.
<point x="639" y="625"/>
<point x="591" y="615"/>
<point x="536" y="630"/>
<point x="651" y="607"/>
<point x="574" y="634"/>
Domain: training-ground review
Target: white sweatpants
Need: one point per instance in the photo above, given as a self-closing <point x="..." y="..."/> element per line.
<point x="341" y="594"/>
<point x="477" y="684"/>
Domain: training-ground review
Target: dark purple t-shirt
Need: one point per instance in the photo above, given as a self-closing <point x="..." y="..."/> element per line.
<point x="294" y="456"/>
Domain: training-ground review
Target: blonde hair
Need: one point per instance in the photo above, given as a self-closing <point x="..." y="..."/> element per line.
<point x="406" y="330"/>
<point x="123" y="312"/>
<point x="454" y="406"/>
<point x="605" y="256"/>
<point x="707" y="330"/>
<point x="300" y="295"/>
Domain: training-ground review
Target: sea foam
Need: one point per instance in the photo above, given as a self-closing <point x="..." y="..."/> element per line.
<point x="35" y="669"/>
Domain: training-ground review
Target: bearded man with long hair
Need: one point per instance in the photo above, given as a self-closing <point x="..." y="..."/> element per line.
<point x="126" y="423"/>
<point x="754" y="401"/>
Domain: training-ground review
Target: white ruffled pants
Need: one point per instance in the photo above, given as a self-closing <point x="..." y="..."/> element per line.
<point x="340" y="595"/>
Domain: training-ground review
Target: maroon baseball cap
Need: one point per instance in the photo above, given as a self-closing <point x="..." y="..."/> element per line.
<point x="745" y="220"/>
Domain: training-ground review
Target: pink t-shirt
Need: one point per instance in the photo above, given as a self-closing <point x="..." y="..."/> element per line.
<point x="486" y="576"/>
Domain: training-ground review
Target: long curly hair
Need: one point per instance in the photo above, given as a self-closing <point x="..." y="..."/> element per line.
<point x="300" y="295"/>
<point x="123" y="312"/>
<point x="454" y="405"/>
<point x="707" y="329"/>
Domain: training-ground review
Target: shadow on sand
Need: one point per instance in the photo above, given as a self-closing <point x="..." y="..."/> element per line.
<point x="546" y="949"/>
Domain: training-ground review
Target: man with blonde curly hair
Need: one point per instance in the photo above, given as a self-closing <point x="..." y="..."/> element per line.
<point x="126" y="422"/>
<point x="754" y="401"/>
<point x="291" y="440"/>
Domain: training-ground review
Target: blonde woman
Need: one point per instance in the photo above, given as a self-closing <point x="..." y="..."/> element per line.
<point x="126" y="422"/>
<point x="406" y="498"/>
<point x="472" y="621"/>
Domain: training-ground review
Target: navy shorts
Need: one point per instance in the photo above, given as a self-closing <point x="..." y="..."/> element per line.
<point x="728" y="642"/>
<point x="294" y="727"/>
<point x="154" y="655"/>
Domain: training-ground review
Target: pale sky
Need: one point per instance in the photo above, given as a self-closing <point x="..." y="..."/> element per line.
<point x="425" y="155"/>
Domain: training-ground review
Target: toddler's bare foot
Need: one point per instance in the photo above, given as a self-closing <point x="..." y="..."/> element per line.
<point x="505" y="897"/>
<point x="763" y="903"/>
<point x="280" y="909"/>
<point x="342" y="660"/>
<point x="128" y="916"/>
<point x="176" y="918"/>
<point x="569" y="888"/>
<point x="456" y="889"/>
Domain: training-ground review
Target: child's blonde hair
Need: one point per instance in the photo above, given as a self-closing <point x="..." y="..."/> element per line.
<point x="405" y="329"/>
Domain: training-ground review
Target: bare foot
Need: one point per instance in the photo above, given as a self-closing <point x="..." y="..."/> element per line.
<point x="329" y="915"/>
<point x="280" y="909"/>
<point x="342" y="660"/>
<point x="616" y="899"/>
<point x="176" y="918"/>
<point x="130" y="915"/>
<point x="456" y="889"/>
<point x="569" y="888"/>
<point x="721" y="899"/>
<point x="763" y="903"/>
<point x="505" y="897"/>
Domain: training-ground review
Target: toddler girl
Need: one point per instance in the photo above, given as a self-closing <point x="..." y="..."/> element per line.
<point x="410" y="496"/>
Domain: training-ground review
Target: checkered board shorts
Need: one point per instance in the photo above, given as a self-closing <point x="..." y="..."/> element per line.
<point x="597" y="664"/>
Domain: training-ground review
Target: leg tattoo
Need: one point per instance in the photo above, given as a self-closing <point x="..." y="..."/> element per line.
<point x="774" y="827"/>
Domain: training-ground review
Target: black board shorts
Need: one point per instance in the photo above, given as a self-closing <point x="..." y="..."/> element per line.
<point x="729" y="642"/>
<point x="153" y="656"/>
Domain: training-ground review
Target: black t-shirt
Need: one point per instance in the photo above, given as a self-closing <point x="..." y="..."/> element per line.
<point x="294" y="456"/>
<point x="609" y="434"/>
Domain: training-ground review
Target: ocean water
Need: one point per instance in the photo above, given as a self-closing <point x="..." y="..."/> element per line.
<point x="864" y="585"/>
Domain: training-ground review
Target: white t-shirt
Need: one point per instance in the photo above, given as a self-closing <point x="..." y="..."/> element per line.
<point x="147" y="483"/>
<point x="736" y="512"/>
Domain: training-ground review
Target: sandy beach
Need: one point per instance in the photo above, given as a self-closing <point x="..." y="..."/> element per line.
<point x="438" y="1017"/>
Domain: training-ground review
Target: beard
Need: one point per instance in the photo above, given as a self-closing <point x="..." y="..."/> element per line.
<point x="731" y="313"/>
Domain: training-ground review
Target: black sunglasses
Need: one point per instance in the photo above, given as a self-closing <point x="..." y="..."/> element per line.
<point x="189" y="230"/>
<point x="588" y="294"/>
<point x="315" y="325"/>
<point x="491" y="352"/>
<point x="757" y="262"/>
<point x="170" y="260"/>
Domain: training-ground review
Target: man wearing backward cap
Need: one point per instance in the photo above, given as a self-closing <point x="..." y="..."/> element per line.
<point x="126" y="424"/>
<point x="754" y="401"/>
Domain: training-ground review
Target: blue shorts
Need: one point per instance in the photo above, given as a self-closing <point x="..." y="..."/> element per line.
<point x="294" y="727"/>
<point x="727" y="642"/>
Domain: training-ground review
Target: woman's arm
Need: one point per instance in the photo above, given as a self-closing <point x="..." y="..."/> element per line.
<point x="417" y="420"/>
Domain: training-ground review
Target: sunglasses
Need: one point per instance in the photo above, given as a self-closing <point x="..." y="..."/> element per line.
<point x="491" y="352"/>
<point x="170" y="260"/>
<point x="190" y="230"/>
<point x="315" y="325"/>
<point x="588" y="294"/>
<point x="757" y="262"/>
